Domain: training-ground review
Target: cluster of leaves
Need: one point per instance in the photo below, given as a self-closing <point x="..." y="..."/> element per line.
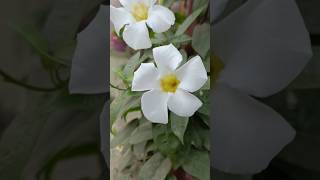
<point x="155" y="151"/>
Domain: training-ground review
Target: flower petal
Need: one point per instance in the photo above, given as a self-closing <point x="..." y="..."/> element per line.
<point x="167" y="57"/>
<point x="193" y="75"/>
<point x="128" y="3"/>
<point x="89" y="63"/>
<point x="136" y="35"/>
<point x="183" y="103"/>
<point x="145" y="78"/>
<point x="120" y="17"/>
<point x="263" y="45"/>
<point x="246" y="134"/>
<point x="160" y="18"/>
<point x="154" y="106"/>
<point x="104" y="133"/>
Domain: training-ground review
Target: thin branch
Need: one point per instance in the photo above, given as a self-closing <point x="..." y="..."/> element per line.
<point x="12" y="80"/>
<point x="115" y="87"/>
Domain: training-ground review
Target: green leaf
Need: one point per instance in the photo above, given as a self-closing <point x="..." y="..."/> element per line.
<point x="166" y="142"/>
<point x="132" y="64"/>
<point x="171" y="177"/>
<point x="121" y="104"/>
<point x="184" y="56"/>
<point x="198" y="164"/>
<point x="139" y="150"/>
<point x="182" y="39"/>
<point x="123" y="136"/>
<point x="178" y="125"/>
<point x="148" y="169"/>
<point x="125" y="160"/>
<point x="141" y="134"/>
<point x="163" y="170"/>
<point x="204" y="96"/>
<point x="187" y="23"/>
<point x="167" y="3"/>
<point x="199" y="3"/>
<point x="197" y="134"/>
<point x="201" y="39"/>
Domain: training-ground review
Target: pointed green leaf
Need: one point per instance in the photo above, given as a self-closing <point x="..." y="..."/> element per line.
<point x="178" y="125"/>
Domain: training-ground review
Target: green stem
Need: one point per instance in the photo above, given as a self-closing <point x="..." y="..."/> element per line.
<point x="115" y="87"/>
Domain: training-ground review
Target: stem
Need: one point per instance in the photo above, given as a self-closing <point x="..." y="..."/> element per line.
<point x="115" y="87"/>
<point x="12" y="80"/>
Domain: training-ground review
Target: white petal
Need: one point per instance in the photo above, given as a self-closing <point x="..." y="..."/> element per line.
<point x="89" y="63"/>
<point x="246" y="134"/>
<point x="128" y="3"/>
<point x="263" y="45"/>
<point x="154" y="106"/>
<point x="183" y="103"/>
<point x="160" y="18"/>
<point x="167" y="57"/>
<point x="120" y="17"/>
<point x="136" y="35"/>
<point x="145" y="78"/>
<point x="193" y="75"/>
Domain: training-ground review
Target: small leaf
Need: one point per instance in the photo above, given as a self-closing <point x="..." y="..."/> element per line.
<point x="125" y="160"/>
<point x="141" y="134"/>
<point x="167" y="143"/>
<point x="182" y="39"/>
<point x="139" y="150"/>
<point x="163" y="170"/>
<point x="121" y="104"/>
<point x="187" y="23"/>
<point x="148" y="169"/>
<point x="198" y="164"/>
<point x="123" y="136"/>
<point x="132" y="64"/>
<point x="179" y="125"/>
<point x="201" y="39"/>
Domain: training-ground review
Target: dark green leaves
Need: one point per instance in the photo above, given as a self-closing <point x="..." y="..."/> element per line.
<point x="178" y="125"/>
<point x="198" y="164"/>
<point x="156" y="168"/>
<point x="166" y="142"/>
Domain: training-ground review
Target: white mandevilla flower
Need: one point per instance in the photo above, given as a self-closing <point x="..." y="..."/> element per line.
<point x="135" y="15"/>
<point x="169" y="86"/>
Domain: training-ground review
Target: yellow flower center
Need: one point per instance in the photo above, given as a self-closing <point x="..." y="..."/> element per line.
<point x="216" y="67"/>
<point x="140" y="11"/>
<point x="169" y="83"/>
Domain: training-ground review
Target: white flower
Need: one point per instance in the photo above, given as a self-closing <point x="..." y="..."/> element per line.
<point x="135" y="15"/>
<point x="263" y="49"/>
<point x="167" y="86"/>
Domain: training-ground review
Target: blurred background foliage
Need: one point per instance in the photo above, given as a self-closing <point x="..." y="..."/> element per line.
<point x="45" y="133"/>
<point x="299" y="103"/>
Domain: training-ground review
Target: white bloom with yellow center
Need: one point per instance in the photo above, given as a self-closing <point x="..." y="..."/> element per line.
<point x="168" y="86"/>
<point x="135" y="15"/>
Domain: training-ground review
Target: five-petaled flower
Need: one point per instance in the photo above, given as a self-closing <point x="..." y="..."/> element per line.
<point x="169" y="86"/>
<point x="135" y="15"/>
